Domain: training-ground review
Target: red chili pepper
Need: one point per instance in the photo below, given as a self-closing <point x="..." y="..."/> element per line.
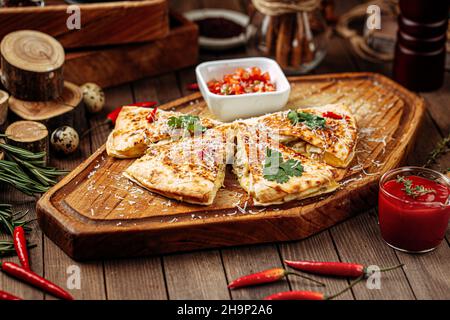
<point x="34" y="279"/>
<point x="267" y="276"/>
<point x="332" y="115"/>
<point x="8" y="296"/>
<point x="192" y="86"/>
<point x="309" y="295"/>
<point x="296" y="295"/>
<point x="151" y="117"/>
<point x="340" y="269"/>
<point x="20" y="244"/>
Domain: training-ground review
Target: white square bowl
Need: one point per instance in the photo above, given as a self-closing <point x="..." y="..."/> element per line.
<point x="232" y="107"/>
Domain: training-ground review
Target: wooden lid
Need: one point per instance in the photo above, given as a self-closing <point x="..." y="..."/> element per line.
<point x="32" y="51"/>
<point x="38" y="111"/>
<point x="26" y="131"/>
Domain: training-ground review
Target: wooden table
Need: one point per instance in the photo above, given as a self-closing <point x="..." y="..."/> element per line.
<point x="205" y="274"/>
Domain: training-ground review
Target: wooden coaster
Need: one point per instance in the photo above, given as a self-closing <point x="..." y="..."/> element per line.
<point x="39" y="111"/>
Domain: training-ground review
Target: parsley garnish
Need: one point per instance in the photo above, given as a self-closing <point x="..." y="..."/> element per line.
<point x="275" y="169"/>
<point x="311" y="120"/>
<point x="415" y="192"/>
<point x="188" y="122"/>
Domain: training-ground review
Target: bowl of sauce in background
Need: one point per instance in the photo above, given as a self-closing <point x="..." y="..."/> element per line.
<point x="413" y="208"/>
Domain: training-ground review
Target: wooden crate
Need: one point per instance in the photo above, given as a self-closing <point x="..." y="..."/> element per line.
<point x="105" y="23"/>
<point x="121" y="64"/>
<point x="95" y="212"/>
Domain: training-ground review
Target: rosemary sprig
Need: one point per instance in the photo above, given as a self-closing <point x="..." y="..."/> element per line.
<point x="441" y="148"/>
<point x="415" y="192"/>
<point x="7" y="248"/>
<point x="10" y="220"/>
<point x="26" y="170"/>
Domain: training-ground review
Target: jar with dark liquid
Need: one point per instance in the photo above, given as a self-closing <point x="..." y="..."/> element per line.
<point x="421" y="44"/>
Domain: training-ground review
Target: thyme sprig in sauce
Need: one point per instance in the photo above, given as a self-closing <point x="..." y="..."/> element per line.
<point x="414" y="192"/>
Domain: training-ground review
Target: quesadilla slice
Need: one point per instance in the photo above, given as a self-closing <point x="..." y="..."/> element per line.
<point x="325" y="133"/>
<point x="138" y="128"/>
<point x="190" y="170"/>
<point x="272" y="173"/>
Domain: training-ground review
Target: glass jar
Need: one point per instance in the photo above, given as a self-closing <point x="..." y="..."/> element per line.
<point x="297" y="41"/>
<point x="413" y="208"/>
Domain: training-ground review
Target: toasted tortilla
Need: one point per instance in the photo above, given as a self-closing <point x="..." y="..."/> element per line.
<point x="190" y="170"/>
<point x="252" y="143"/>
<point x="335" y="144"/>
<point x="133" y="134"/>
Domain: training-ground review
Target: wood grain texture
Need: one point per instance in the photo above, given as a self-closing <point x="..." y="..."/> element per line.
<point x="128" y="279"/>
<point x="242" y="261"/>
<point x="124" y="213"/>
<point x="109" y="23"/>
<point x="317" y="248"/>
<point x="56" y="262"/>
<point x="22" y="202"/>
<point x="359" y="240"/>
<point x="195" y="276"/>
<point x="44" y="110"/>
<point x="32" y="65"/>
<point x="132" y="62"/>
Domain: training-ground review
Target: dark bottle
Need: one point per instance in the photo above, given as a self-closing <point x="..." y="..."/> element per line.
<point x="421" y="44"/>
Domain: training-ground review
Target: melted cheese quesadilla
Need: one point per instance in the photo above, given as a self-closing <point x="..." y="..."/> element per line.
<point x="272" y="173"/>
<point x="325" y="133"/>
<point x="190" y="170"/>
<point x="134" y="133"/>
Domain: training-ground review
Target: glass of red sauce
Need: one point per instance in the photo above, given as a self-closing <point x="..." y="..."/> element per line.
<point x="414" y="208"/>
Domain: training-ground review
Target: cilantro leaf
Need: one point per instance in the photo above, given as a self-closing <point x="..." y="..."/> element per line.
<point x="311" y="120"/>
<point x="275" y="169"/>
<point x="188" y="122"/>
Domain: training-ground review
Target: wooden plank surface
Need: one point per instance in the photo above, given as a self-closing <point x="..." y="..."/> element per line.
<point x="100" y="23"/>
<point x="426" y="275"/>
<point x="135" y="61"/>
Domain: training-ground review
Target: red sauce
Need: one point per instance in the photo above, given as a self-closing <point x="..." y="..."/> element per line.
<point x="413" y="222"/>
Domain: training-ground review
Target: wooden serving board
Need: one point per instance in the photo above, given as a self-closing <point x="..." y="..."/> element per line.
<point x="104" y="23"/>
<point x="94" y="212"/>
<point x="177" y="50"/>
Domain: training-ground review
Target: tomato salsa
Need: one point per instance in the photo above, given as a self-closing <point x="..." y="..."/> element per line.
<point x="413" y="212"/>
<point x="249" y="80"/>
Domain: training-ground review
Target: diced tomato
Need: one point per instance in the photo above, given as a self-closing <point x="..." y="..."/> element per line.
<point x="256" y="71"/>
<point x="242" y="81"/>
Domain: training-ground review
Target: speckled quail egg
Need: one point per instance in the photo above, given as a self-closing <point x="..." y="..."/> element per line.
<point x="65" y="140"/>
<point x="93" y="97"/>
